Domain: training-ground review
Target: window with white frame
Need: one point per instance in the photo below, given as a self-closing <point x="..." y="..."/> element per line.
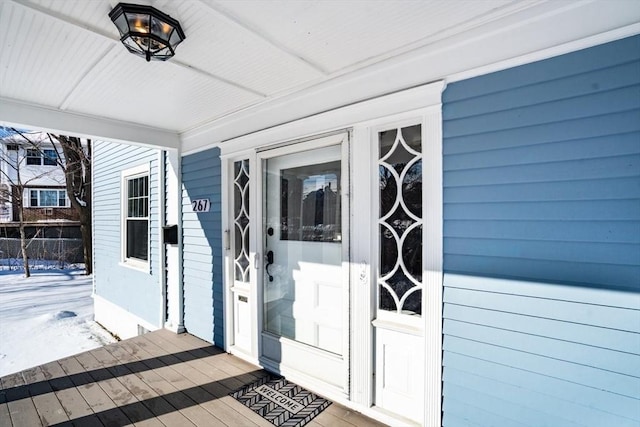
<point x="45" y="157"/>
<point x="48" y="198"/>
<point x="135" y="207"/>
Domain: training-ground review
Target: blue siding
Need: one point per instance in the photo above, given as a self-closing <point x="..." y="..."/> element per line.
<point x="136" y="291"/>
<point x="542" y="243"/>
<point x="202" y="246"/>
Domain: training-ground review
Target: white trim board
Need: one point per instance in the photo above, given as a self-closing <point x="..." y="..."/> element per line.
<point x="563" y="49"/>
<point x="426" y="96"/>
<point x="31" y="116"/>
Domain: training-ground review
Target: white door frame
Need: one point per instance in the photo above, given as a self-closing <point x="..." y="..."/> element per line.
<point x="325" y="361"/>
<point x="231" y="291"/>
<point x="424" y="102"/>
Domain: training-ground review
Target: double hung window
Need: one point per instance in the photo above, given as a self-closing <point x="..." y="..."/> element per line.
<point x="48" y="198"/>
<point x="41" y="157"/>
<point x="135" y="187"/>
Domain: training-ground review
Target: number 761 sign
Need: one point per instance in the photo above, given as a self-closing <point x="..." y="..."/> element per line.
<point x="201" y="205"/>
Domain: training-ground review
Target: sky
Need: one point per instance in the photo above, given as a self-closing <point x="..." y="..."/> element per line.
<point x="45" y="317"/>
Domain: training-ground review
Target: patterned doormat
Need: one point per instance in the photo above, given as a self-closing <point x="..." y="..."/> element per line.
<point x="281" y="402"/>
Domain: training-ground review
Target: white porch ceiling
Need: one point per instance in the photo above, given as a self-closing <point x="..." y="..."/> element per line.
<point x="250" y="64"/>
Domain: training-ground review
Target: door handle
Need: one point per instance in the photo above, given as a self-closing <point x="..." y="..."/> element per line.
<point x="269" y="259"/>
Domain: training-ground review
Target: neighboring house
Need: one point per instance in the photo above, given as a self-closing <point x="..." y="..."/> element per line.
<point x="474" y="243"/>
<point x="31" y="170"/>
<point x="34" y="167"/>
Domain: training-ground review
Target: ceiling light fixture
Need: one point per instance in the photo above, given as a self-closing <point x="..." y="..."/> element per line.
<point x="147" y="32"/>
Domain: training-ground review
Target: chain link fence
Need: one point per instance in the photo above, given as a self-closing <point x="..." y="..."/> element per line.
<point x="55" y="253"/>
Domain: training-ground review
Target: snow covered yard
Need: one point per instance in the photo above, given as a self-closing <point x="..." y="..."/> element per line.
<point x="45" y="317"/>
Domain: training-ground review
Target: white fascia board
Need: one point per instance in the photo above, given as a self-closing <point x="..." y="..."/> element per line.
<point x="31" y="116"/>
<point x="542" y="31"/>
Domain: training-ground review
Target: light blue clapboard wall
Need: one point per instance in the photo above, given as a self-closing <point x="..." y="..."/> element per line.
<point x="202" y="245"/>
<point x="139" y="292"/>
<point x="542" y="243"/>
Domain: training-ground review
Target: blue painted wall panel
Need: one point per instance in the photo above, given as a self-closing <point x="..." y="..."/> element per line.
<point x="589" y="181"/>
<point x="202" y="247"/>
<point x="139" y="292"/>
<point x="542" y="242"/>
<point x="597" y="58"/>
<point x="589" y="127"/>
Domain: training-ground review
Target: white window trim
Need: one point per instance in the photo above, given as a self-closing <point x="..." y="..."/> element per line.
<point x="27" y="198"/>
<point x="125" y="175"/>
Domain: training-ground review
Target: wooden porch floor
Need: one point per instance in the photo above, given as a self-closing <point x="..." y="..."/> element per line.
<point x="157" y="379"/>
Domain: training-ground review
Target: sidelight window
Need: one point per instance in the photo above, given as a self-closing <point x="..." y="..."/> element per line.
<point x="400" y="220"/>
<point x="241" y="224"/>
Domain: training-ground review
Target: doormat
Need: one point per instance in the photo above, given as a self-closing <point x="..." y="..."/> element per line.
<point x="282" y="403"/>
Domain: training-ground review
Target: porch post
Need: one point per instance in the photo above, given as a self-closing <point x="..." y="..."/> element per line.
<point x="173" y="216"/>
<point x="433" y="264"/>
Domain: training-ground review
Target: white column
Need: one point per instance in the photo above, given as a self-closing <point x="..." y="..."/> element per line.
<point x="432" y="264"/>
<point x="361" y="275"/>
<point x="173" y="215"/>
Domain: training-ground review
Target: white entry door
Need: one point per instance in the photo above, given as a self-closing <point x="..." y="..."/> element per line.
<point x="305" y="268"/>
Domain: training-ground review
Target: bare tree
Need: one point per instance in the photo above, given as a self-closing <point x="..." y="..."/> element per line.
<point x="18" y="182"/>
<point x="76" y="164"/>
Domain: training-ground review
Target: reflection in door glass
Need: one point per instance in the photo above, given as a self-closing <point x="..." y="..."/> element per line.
<point x="310" y="203"/>
<point x="400" y="220"/>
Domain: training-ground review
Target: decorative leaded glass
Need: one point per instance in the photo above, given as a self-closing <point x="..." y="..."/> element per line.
<point x="400" y="220"/>
<point x="241" y="220"/>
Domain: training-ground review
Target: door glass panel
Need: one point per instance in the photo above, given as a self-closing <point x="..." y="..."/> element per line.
<point x="400" y="220"/>
<point x="310" y="208"/>
<point x="303" y="281"/>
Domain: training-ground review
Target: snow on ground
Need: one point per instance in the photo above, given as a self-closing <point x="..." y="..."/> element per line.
<point x="45" y="317"/>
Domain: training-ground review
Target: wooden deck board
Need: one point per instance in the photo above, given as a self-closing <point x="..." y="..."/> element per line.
<point x="5" y="418"/>
<point x="104" y="408"/>
<point x="22" y="410"/>
<point x="153" y="380"/>
<point x="132" y="378"/>
<point x="68" y="395"/>
<point x="46" y="402"/>
<point x="208" y="393"/>
<point x="117" y="391"/>
<point x="349" y="416"/>
<point x="166" y="380"/>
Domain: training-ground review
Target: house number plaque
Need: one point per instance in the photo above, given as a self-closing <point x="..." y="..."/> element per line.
<point x="201" y="205"/>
